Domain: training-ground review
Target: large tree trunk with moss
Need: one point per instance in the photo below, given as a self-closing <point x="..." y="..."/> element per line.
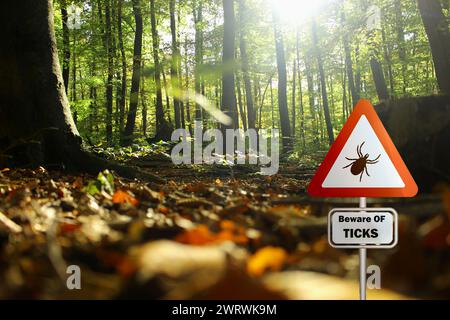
<point x="36" y="126"/>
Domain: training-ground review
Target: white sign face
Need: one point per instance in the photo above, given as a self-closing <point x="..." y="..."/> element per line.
<point x="374" y="169"/>
<point x="362" y="228"/>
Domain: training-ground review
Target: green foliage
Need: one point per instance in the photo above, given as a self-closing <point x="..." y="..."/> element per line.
<point x="407" y="64"/>
<point x="103" y="183"/>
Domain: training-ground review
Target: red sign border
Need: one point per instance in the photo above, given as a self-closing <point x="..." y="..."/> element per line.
<point x="363" y="107"/>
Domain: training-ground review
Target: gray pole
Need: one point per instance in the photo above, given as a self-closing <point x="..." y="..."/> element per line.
<point x="362" y="261"/>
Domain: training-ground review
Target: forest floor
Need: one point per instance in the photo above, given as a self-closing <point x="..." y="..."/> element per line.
<point x="207" y="232"/>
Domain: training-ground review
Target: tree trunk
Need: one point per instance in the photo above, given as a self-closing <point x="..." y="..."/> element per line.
<point x="358" y="74"/>
<point x="436" y="27"/>
<point x="228" y="62"/>
<point x="323" y="86"/>
<point x="167" y="95"/>
<point x="144" y="105"/>
<point x="401" y="41"/>
<point x="127" y="138"/>
<point x="245" y="66"/>
<point x="162" y="127"/>
<point x="109" y="81"/>
<point x="294" y="74"/>
<point x="198" y="20"/>
<point x="300" y="90"/>
<point x="240" y="103"/>
<point x="378" y="78"/>
<point x="174" y="73"/>
<point x="312" y="109"/>
<point x="349" y="64"/>
<point x="387" y="57"/>
<point x="186" y="65"/>
<point x="123" y="84"/>
<point x="272" y="107"/>
<point x="66" y="45"/>
<point x="282" y="84"/>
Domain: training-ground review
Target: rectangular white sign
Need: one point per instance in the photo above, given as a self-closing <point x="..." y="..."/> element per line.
<point x="362" y="228"/>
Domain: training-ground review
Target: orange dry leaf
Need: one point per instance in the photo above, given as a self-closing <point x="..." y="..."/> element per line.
<point x="197" y="236"/>
<point x="201" y="235"/>
<point x="124" y="197"/>
<point x="267" y="258"/>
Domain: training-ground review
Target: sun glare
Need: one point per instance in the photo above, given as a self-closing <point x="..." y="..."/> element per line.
<point x="297" y="11"/>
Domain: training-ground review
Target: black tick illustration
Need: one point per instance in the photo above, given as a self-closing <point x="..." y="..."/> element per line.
<point x="360" y="165"/>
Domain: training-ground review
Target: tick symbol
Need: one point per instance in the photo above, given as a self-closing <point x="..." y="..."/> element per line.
<point x="359" y="165"/>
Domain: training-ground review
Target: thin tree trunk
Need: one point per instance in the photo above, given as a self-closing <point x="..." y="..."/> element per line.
<point x="294" y="74"/>
<point x="282" y="84"/>
<point x="162" y="127"/>
<point x="66" y="45"/>
<point x="387" y="57"/>
<point x="358" y="74"/>
<point x="166" y="94"/>
<point x="349" y="64"/>
<point x="401" y="41"/>
<point x="109" y="81"/>
<point x="228" y="61"/>
<point x="323" y="86"/>
<point x="186" y="65"/>
<point x="198" y="20"/>
<point x="310" y="82"/>
<point x="378" y="78"/>
<point x="174" y="73"/>
<point x="123" y="84"/>
<point x="302" y="111"/>
<point x="272" y="106"/>
<point x="240" y="104"/>
<point x="243" y="11"/>
<point x="144" y="105"/>
<point x="344" y="95"/>
<point x="127" y="138"/>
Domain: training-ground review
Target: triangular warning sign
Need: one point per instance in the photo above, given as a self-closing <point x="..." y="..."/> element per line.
<point x="363" y="161"/>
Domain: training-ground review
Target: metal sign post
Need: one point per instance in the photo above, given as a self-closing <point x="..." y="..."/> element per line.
<point x="362" y="260"/>
<point x="363" y="228"/>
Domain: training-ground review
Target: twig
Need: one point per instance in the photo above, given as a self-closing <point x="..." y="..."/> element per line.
<point x="9" y="224"/>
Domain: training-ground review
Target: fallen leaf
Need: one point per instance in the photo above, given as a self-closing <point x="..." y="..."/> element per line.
<point x="267" y="258"/>
<point x="124" y="197"/>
